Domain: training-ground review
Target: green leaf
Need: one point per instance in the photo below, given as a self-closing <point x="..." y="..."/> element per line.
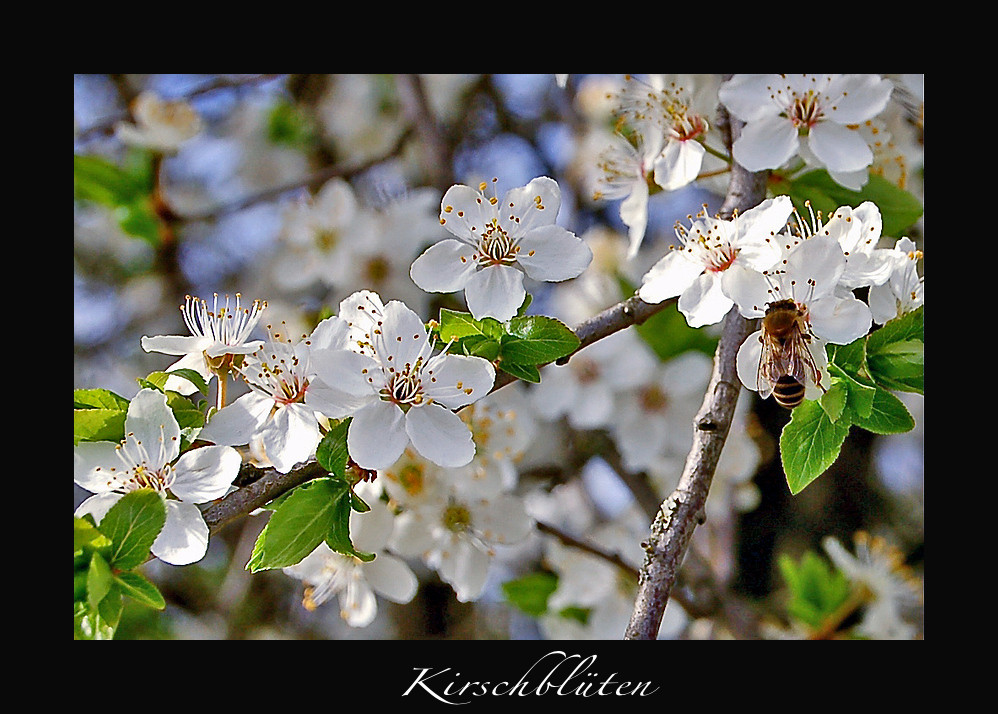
<point x="833" y="402"/>
<point x="899" y="209"/>
<point x="338" y="537"/>
<point x="860" y="395"/>
<point x="97" y="179"/>
<point x="888" y="415"/>
<point x="98" y="415"/>
<point x="132" y="524"/>
<point x="910" y="326"/>
<point x="110" y="607"/>
<point x="455" y="325"/>
<point x="99" y="580"/>
<point x="809" y="444"/>
<point x="86" y="535"/>
<point x="899" y="366"/>
<point x="816" y="589"/>
<point x="312" y="513"/>
<point x="331" y="453"/>
<point x="530" y="593"/>
<point x="526" y="372"/>
<point x="478" y="346"/>
<point x="536" y="339"/>
<point x="139" y="589"/>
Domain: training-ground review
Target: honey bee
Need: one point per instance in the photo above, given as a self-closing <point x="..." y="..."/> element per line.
<point x="786" y="363"/>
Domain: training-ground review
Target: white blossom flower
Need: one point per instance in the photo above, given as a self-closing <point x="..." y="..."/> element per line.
<point x="327" y="573"/>
<point x="159" y="125"/>
<point x="585" y="389"/>
<point x="625" y="168"/>
<point x="809" y="275"/>
<point x="890" y="587"/>
<point x="783" y="111"/>
<point x="319" y="238"/>
<point x="655" y="417"/>
<point x="456" y="536"/>
<point x="904" y="290"/>
<point x="147" y="458"/>
<point x="404" y="392"/>
<point x="497" y="243"/>
<point x="711" y="252"/>
<point x="284" y="407"/>
<point x="219" y="339"/>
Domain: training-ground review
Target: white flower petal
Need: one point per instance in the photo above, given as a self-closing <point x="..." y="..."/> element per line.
<point x="403" y="334"/>
<point x="291" y="436"/>
<point x="377" y="437"/>
<point x="766" y="143"/>
<point x="206" y="473"/>
<point x="503" y="520"/>
<point x="440" y="435"/>
<point x="91" y="461"/>
<point x="444" y="267"/>
<point x="839" y="148"/>
<point x="464" y="212"/>
<point x="358" y="606"/>
<point x="457" y="380"/>
<point x="496" y="291"/>
<point x="679" y="164"/>
<point x="348" y="372"/>
<point x="330" y="334"/>
<point x="747" y="96"/>
<point x="97" y="506"/>
<point x="467" y="572"/>
<point x="634" y="214"/>
<point x="553" y="254"/>
<point x="748" y="289"/>
<point x="818" y="262"/>
<point x="176" y="344"/>
<point x="235" y="424"/>
<point x="184" y="538"/>
<point x="703" y="302"/>
<point x="840" y="321"/>
<point x="747" y="361"/>
<point x="669" y="277"/>
<point x="858" y="97"/>
<point x="527" y="207"/>
<point x="370" y="531"/>
<point x="391" y="578"/>
<point x="154" y="425"/>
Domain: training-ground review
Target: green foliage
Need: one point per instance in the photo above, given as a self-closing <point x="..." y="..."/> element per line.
<point x="98" y="415"/>
<point x="519" y="346"/>
<point x="104" y="560"/>
<point x="816" y="590"/>
<point x="530" y="593"/>
<point x="126" y="191"/>
<point x="314" y="512"/>
<point x="288" y="125"/>
<point x="331" y="453"/>
<point x="898" y="208"/>
<point x="863" y="376"/>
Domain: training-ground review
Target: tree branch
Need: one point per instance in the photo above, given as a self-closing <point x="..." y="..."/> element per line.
<point x="679" y="515"/>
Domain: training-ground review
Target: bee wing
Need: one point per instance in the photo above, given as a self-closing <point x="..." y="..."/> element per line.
<point x="800" y="362"/>
<point x="773" y="364"/>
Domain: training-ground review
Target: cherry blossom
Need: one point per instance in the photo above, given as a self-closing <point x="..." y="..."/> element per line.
<point x="787" y="114"/>
<point x="497" y="243"/>
<point x="219" y="339"/>
<point x="398" y="392"/>
<point x="903" y="292"/>
<point x="160" y="125"/>
<point x="710" y="253"/>
<point x="147" y="458"/>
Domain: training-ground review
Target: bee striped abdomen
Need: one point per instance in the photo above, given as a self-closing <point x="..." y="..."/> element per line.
<point x="788" y="392"/>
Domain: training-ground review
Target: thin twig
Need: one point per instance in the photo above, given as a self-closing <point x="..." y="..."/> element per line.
<point x="679" y="515"/>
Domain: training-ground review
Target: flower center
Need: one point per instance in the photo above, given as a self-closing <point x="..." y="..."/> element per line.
<point x="496" y="247"/>
<point x="140" y="468"/>
<point x="404" y="388"/>
<point x="277" y="371"/>
<point x="456" y="518"/>
<point x="805" y="111"/>
<point x="225" y="325"/>
<point x="653" y="399"/>
<point x="707" y="242"/>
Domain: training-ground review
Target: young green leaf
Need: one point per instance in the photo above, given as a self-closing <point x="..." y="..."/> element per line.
<point x="816" y="589"/>
<point x="530" y="593"/>
<point x="139" y="589"/>
<point x="133" y="524"/>
<point x="99" y="580"/>
<point x="809" y="444"/>
<point x="98" y="415"/>
<point x="331" y="453"/>
<point x="536" y="339"/>
<point x="888" y="415"/>
<point x="526" y="372"/>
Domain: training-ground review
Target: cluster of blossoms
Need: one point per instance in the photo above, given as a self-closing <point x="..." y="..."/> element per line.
<point x="760" y="258"/>
<point x="445" y="449"/>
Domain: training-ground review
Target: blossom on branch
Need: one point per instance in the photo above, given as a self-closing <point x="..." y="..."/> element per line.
<point x="398" y="391"/>
<point x="147" y="458"/>
<point x="498" y="242"/>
